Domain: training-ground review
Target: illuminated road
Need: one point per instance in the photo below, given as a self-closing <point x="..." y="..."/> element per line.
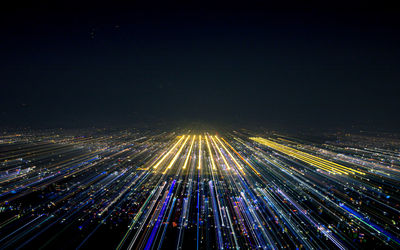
<point x="183" y="190"/>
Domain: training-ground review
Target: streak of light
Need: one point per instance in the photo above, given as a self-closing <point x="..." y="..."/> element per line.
<point x="243" y="159"/>
<point x="176" y="155"/>
<point x="199" y="166"/>
<point x="166" y="155"/>
<point x="188" y="154"/>
<point x="211" y="155"/>
<point x="230" y="155"/>
<point x="312" y="160"/>
<point x="221" y="154"/>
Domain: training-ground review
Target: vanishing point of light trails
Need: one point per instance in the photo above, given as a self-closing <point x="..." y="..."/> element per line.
<point x="178" y="190"/>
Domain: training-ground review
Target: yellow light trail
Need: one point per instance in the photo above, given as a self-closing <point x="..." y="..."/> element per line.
<point x="176" y="155"/>
<point x="190" y="150"/>
<point x="199" y="167"/>
<point x="281" y="149"/>
<point x="318" y="162"/>
<point x="220" y="152"/>
<point x="243" y="159"/>
<point x="165" y="156"/>
<point x="209" y="151"/>
<point x="230" y="155"/>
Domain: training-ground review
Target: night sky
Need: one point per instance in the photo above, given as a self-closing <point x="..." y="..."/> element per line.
<point x="68" y="64"/>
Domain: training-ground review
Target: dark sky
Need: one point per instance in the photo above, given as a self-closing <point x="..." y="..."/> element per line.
<point x="73" y="64"/>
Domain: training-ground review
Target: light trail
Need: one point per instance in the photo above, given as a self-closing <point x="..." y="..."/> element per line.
<point x="199" y="166"/>
<point x="329" y="166"/>
<point x="210" y="153"/>
<point x="221" y="154"/>
<point x="166" y="155"/>
<point x="176" y="155"/>
<point x="188" y="154"/>
<point x="278" y="194"/>
<point x="244" y="160"/>
<point x="231" y="156"/>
